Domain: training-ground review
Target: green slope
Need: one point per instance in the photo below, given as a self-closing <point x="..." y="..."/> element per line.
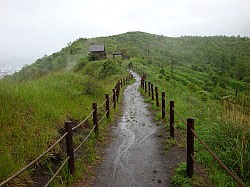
<point x="225" y="56"/>
<point x="36" y="100"/>
<point x="33" y="112"/>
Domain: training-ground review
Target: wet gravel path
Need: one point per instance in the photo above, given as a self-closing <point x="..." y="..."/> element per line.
<point x="134" y="157"/>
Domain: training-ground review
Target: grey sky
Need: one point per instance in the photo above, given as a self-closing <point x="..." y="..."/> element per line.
<point x="29" y="29"/>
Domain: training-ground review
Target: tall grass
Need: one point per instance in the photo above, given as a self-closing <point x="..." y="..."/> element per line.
<point x="32" y="113"/>
<point x="227" y="132"/>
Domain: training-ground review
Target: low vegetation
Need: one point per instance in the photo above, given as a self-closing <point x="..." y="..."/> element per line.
<point x="221" y="119"/>
<point x="33" y="112"/>
<point x="207" y="77"/>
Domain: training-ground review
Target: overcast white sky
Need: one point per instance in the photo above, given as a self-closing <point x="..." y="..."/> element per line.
<point x="29" y="29"/>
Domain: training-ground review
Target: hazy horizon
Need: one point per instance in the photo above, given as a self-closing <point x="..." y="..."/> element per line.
<point x="30" y="30"/>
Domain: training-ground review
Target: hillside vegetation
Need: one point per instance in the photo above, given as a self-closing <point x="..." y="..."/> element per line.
<point x="223" y="124"/>
<point x="33" y="112"/>
<point x="206" y="73"/>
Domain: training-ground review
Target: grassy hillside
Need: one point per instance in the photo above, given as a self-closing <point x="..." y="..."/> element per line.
<point x="201" y="71"/>
<point x="33" y="112"/>
<point x="222" y="123"/>
<point x="218" y="55"/>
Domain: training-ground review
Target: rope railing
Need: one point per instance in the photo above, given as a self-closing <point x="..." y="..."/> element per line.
<point x="57" y="172"/>
<point x="83" y="121"/>
<point x="69" y="140"/>
<point x="34" y="161"/>
<point x="190" y="136"/>
<point x="199" y="169"/>
<point x="85" y="139"/>
<point x="179" y="116"/>
<point x="103" y="117"/>
<point x="102" y="103"/>
<point x="111" y="96"/>
<point x="222" y="165"/>
<point x="113" y="105"/>
<point x="177" y="113"/>
<point x="166" y="111"/>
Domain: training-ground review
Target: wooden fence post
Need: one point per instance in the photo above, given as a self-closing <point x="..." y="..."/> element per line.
<point x="149" y="89"/>
<point x="152" y="91"/>
<point x="190" y="147"/>
<point x="156" y="96"/>
<point x="121" y="83"/>
<point x="95" y="120"/>
<point x="163" y="107"/>
<point x="107" y="105"/>
<point x="172" y="119"/>
<point x="124" y="82"/>
<point x="117" y="92"/>
<point x="145" y="86"/>
<point x="114" y="97"/>
<point x="69" y="146"/>
<point x="119" y="88"/>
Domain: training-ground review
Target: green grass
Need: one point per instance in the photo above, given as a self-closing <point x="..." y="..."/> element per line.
<point x="179" y="178"/>
<point x="227" y="138"/>
<point x="33" y="112"/>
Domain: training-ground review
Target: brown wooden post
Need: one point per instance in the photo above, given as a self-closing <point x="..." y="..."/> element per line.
<point x="141" y="83"/>
<point x="163" y="107"/>
<point x="121" y="83"/>
<point x="116" y="88"/>
<point x="119" y="89"/>
<point x="117" y="92"/>
<point x="156" y="96"/>
<point x="124" y="82"/>
<point x="145" y="86"/>
<point x="114" y="97"/>
<point x="107" y="106"/>
<point x="69" y="146"/>
<point x="190" y="147"/>
<point x="172" y="119"/>
<point x="152" y="91"/>
<point x="95" y="120"/>
<point x="149" y="89"/>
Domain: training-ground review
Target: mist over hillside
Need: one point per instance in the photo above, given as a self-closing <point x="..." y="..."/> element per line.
<point x="227" y="56"/>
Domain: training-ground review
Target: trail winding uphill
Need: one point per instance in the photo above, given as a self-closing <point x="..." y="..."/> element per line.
<point x="134" y="157"/>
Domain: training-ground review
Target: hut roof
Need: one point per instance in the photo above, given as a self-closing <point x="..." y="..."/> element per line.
<point x="96" y="48"/>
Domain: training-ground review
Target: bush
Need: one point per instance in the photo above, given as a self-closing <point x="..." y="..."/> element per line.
<point x="92" y="57"/>
<point x="80" y="65"/>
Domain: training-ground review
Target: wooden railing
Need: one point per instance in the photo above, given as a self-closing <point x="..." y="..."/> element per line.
<point x="70" y="126"/>
<point x="189" y="123"/>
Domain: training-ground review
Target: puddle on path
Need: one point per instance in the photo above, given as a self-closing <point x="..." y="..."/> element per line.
<point x="133" y="158"/>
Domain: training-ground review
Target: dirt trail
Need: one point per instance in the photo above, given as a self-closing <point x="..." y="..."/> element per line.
<point x="134" y="157"/>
